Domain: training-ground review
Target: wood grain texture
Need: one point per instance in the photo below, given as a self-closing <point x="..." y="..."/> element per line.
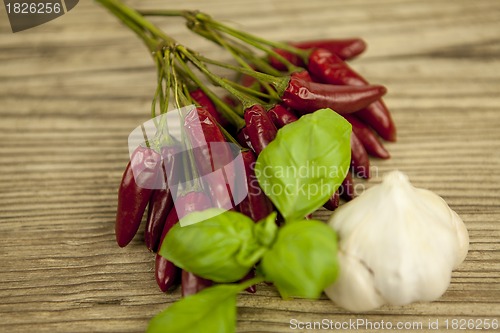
<point x="71" y="91"/>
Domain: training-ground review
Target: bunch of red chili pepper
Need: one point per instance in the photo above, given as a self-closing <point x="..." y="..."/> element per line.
<point x="274" y="89"/>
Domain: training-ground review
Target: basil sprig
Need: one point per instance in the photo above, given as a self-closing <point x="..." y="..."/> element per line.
<point x="306" y="163"/>
<point x="222" y="248"/>
<point x="300" y="259"/>
<point x="211" y="310"/>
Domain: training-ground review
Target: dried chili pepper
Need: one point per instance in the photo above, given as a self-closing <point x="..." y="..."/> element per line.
<point x="138" y="180"/>
<point x="329" y="68"/>
<point x="307" y="97"/>
<point x="333" y="202"/>
<point x="304" y="75"/>
<point x="359" y="158"/>
<point x="346" y="190"/>
<point x="344" y="48"/>
<point x="250" y="275"/>
<point x="160" y="205"/>
<point x="192" y="284"/>
<point x="367" y="137"/>
<point x="161" y="201"/>
<point x="259" y="127"/>
<point x="165" y="272"/>
<point x="204" y="101"/>
<point x="281" y="115"/>
<point x="256" y="204"/>
<point x="290" y="57"/>
<point x="243" y="139"/>
<point x="211" y="152"/>
<point x="378" y="117"/>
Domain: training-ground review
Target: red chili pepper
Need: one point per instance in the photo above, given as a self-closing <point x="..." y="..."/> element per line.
<point x="192" y="284"/>
<point x="165" y="272"/>
<point x="204" y="101"/>
<point x="160" y="204"/>
<point x="134" y="194"/>
<point x="378" y="117"/>
<point x="249" y="82"/>
<point x="344" y="48"/>
<point x="292" y="58"/>
<point x="329" y="68"/>
<point x="333" y="202"/>
<point x="346" y="190"/>
<point x="212" y="153"/>
<point x="256" y="205"/>
<point x="359" y="158"/>
<point x="250" y="275"/>
<point x="161" y="201"/>
<point x="307" y="97"/>
<point x="281" y="115"/>
<point x="304" y="75"/>
<point x="243" y="138"/>
<point x="367" y="137"/>
<point x="259" y="127"/>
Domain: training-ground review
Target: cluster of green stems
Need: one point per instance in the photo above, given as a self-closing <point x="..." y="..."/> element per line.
<point x="179" y="68"/>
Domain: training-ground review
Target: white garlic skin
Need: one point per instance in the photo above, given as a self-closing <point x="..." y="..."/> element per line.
<point x="397" y="244"/>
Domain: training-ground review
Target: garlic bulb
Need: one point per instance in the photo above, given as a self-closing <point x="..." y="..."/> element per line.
<point x="397" y="244"/>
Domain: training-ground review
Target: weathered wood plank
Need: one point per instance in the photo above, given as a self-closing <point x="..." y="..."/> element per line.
<point x="72" y="90"/>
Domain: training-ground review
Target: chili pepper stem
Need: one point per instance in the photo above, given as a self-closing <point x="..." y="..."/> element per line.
<point x="249" y="37"/>
<point x="165" y="12"/>
<point x="245" y="100"/>
<point x="236" y="55"/>
<point x="248" y="283"/>
<point x="137" y="18"/>
<point x="227" y="112"/>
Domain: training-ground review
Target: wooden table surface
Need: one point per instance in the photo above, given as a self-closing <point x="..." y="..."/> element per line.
<point x="71" y="91"/>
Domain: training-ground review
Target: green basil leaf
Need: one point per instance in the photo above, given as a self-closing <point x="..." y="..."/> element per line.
<point x="306" y="163"/>
<point x="303" y="260"/>
<point x="211" y="310"/>
<point x="222" y="247"/>
<point x="266" y="230"/>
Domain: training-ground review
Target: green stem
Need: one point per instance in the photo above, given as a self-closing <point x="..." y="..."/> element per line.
<point x="250" y="72"/>
<point x="228" y="136"/>
<point x="247" y="36"/>
<point x="236" y="55"/>
<point x="250" y="91"/>
<point x="150" y="42"/>
<point x="261" y="64"/>
<point x="180" y="98"/>
<point x="247" y="101"/>
<point x="248" y="283"/>
<point x="168" y="64"/>
<point x="232" y="46"/>
<point x="237" y="34"/>
<point x="138" y="19"/>
<point x="165" y="12"/>
<point x="227" y="112"/>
